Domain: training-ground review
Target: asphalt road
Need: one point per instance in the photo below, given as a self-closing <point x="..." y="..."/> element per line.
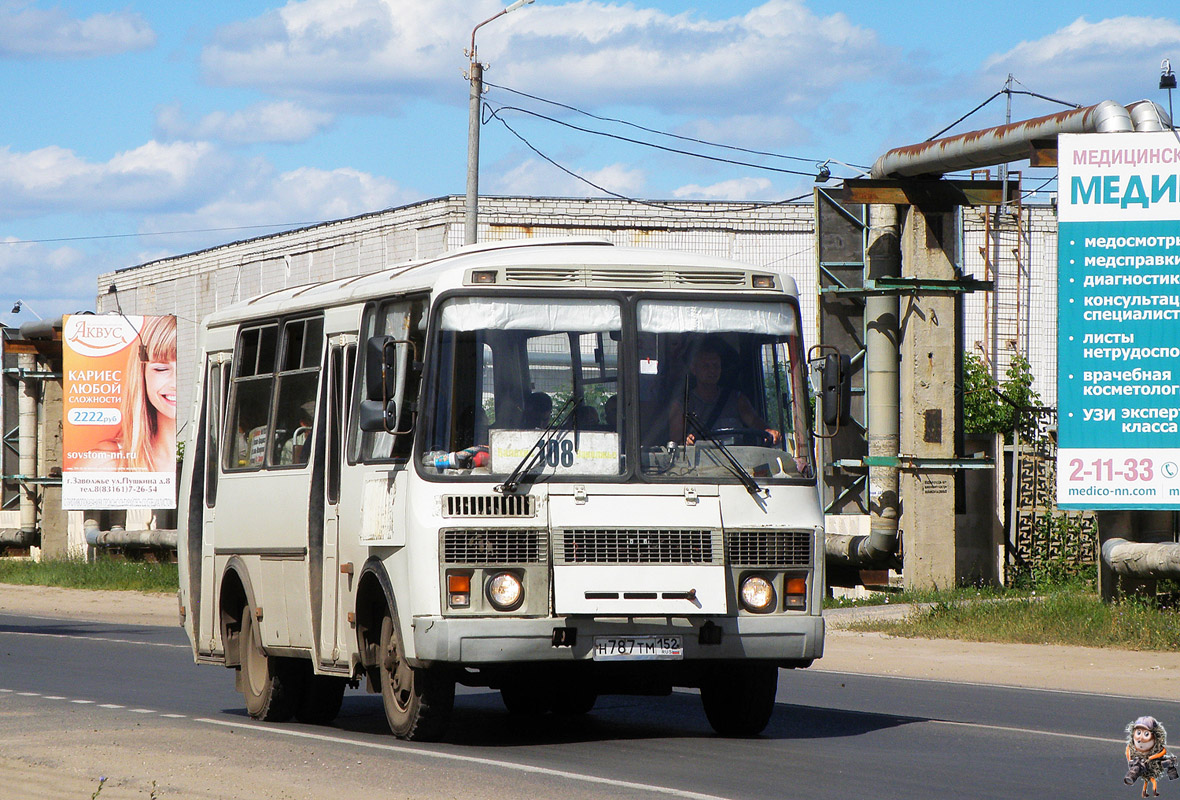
<point x="836" y="735"/>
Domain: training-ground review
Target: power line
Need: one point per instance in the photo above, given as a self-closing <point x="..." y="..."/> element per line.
<point x="666" y="149"/>
<point x="656" y="131"/>
<point x="604" y="190"/>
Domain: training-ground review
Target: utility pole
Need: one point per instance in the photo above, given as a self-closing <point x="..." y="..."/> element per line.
<point x="475" y="75"/>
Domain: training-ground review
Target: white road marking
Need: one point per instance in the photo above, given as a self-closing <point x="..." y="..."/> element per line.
<point x="1032" y="730"/>
<point x="93" y="639"/>
<point x="111" y="705"/>
<point x="83" y="702"/>
<point x="1012" y="686"/>
<point x="54" y="697"/>
<point x="488" y="762"/>
<point x="143" y="711"/>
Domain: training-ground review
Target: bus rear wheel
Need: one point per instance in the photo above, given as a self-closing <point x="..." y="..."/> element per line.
<point x="739" y="698"/>
<point x="269" y="685"/>
<point x="418" y="702"/>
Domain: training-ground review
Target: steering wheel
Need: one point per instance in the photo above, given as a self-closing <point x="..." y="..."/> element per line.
<point x="755" y="437"/>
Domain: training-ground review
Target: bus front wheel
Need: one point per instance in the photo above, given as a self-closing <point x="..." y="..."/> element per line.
<point x="269" y="685"/>
<point x="417" y="701"/>
<point x="739" y="698"/>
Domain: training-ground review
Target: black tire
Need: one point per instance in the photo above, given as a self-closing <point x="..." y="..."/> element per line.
<point x="322" y="696"/>
<point x="418" y="702"/>
<point x="739" y="698"/>
<point x="269" y="685"/>
<point x="527" y="698"/>
<point x="574" y="701"/>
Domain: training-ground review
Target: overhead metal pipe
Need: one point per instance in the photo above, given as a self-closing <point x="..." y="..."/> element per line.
<point x="998" y="145"/>
<point x="1147" y="115"/>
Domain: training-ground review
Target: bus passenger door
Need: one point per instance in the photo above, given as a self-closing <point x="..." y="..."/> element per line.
<point x="335" y="583"/>
<point x="215" y="386"/>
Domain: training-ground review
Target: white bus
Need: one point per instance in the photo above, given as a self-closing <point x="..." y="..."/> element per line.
<point x="555" y="468"/>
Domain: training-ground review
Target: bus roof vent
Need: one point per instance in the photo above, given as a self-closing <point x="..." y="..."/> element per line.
<point x="710" y="277"/>
<point x="489" y="505"/>
<point x="544" y="276"/>
<point x="627" y="277"/>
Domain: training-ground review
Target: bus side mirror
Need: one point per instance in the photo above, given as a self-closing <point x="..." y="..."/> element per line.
<point x="380" y="367"/>
<point x="377" y="415"/>
<point x="836" y="375"/>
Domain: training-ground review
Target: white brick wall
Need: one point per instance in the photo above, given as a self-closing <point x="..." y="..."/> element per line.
<point x="780" y="238"/>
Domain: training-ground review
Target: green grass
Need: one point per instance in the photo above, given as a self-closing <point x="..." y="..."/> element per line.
<point x="105" y="573"/>
<point x="1069" y="616"/>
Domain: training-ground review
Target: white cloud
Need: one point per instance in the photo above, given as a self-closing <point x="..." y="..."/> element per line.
<point x="354" y="53"/>
<point x="46" y="279"/>
<point x="736" y="189"/>
<point x="1087" y="62"/>
<point x="534" y="177"/>
<point x="279" y="122"/>
<point x="303" y="195"/>
<point x="150" y="176"/>
<point x="30" y="32"/>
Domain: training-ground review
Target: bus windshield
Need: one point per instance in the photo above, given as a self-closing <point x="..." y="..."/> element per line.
<point x="531" y="386"/>
<point x="526" y="379"/>
<point x="718" y="383"/>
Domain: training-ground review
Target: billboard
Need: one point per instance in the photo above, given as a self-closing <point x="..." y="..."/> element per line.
<point x="1118" y="339"/>
<point x="119" y="412"/>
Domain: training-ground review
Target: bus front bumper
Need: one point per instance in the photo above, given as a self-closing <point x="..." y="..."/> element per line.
<point x="483" y="640"/>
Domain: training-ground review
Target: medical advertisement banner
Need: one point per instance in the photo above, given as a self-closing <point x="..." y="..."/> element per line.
<point x="1118" y="305"/>
<point x="119" y="412"/>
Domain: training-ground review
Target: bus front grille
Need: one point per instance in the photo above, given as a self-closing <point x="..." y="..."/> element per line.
<point x="639" y="546"/>
<point x="494" y="546"/>
<point x="768" y="548"/>
<point x="489" y="505"/>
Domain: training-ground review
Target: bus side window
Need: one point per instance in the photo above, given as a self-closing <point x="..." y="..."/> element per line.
<point x="403" y="320"/>
<point x="214" y="418"/>
<point x="298" y="380"/>
<point x="253" y="379"/>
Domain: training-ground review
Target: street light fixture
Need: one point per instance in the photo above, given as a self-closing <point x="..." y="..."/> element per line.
<point x="475" y="74"/>
<point x="16" y="308"/>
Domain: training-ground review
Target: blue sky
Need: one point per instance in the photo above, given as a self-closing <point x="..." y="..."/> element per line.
<point x="129" y="125"/>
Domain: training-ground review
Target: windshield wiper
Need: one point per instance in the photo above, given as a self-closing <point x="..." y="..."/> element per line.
<point x="537" y="451"/>
<point x="734" y="465"/>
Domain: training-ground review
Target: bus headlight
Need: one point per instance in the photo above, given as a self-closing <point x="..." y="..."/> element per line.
<point x="504" y="591"/>
<point x="757" y="594"/>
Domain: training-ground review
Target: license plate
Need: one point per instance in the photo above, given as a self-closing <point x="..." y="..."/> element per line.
<point x="638" y="648"/>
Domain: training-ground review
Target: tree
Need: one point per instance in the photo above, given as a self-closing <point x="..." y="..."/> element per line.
<point x="992" y="407"/>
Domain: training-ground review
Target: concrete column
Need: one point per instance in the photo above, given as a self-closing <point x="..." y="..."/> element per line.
<point x="928" y="426"/>
<point x="54" y="535"/>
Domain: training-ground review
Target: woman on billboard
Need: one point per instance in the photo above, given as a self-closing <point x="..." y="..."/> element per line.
<point x="146" y="438"/>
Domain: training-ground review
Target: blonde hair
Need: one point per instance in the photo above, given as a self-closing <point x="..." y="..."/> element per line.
<point x="141" y="422"/>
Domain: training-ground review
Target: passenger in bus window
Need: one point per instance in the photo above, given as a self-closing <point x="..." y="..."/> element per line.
<point x="297" y="447"/>
<point x="146" y="438"/>
<point x="716" y="407"/>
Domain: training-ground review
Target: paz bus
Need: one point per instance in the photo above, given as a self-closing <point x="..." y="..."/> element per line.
<point x="553" y="468"/>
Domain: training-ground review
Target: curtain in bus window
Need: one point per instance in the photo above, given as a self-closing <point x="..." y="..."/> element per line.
<point x="531" y="314"/>
<point x="675" y="317"/>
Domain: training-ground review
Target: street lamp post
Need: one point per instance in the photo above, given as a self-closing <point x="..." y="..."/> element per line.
<point x="475" y="74"/>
